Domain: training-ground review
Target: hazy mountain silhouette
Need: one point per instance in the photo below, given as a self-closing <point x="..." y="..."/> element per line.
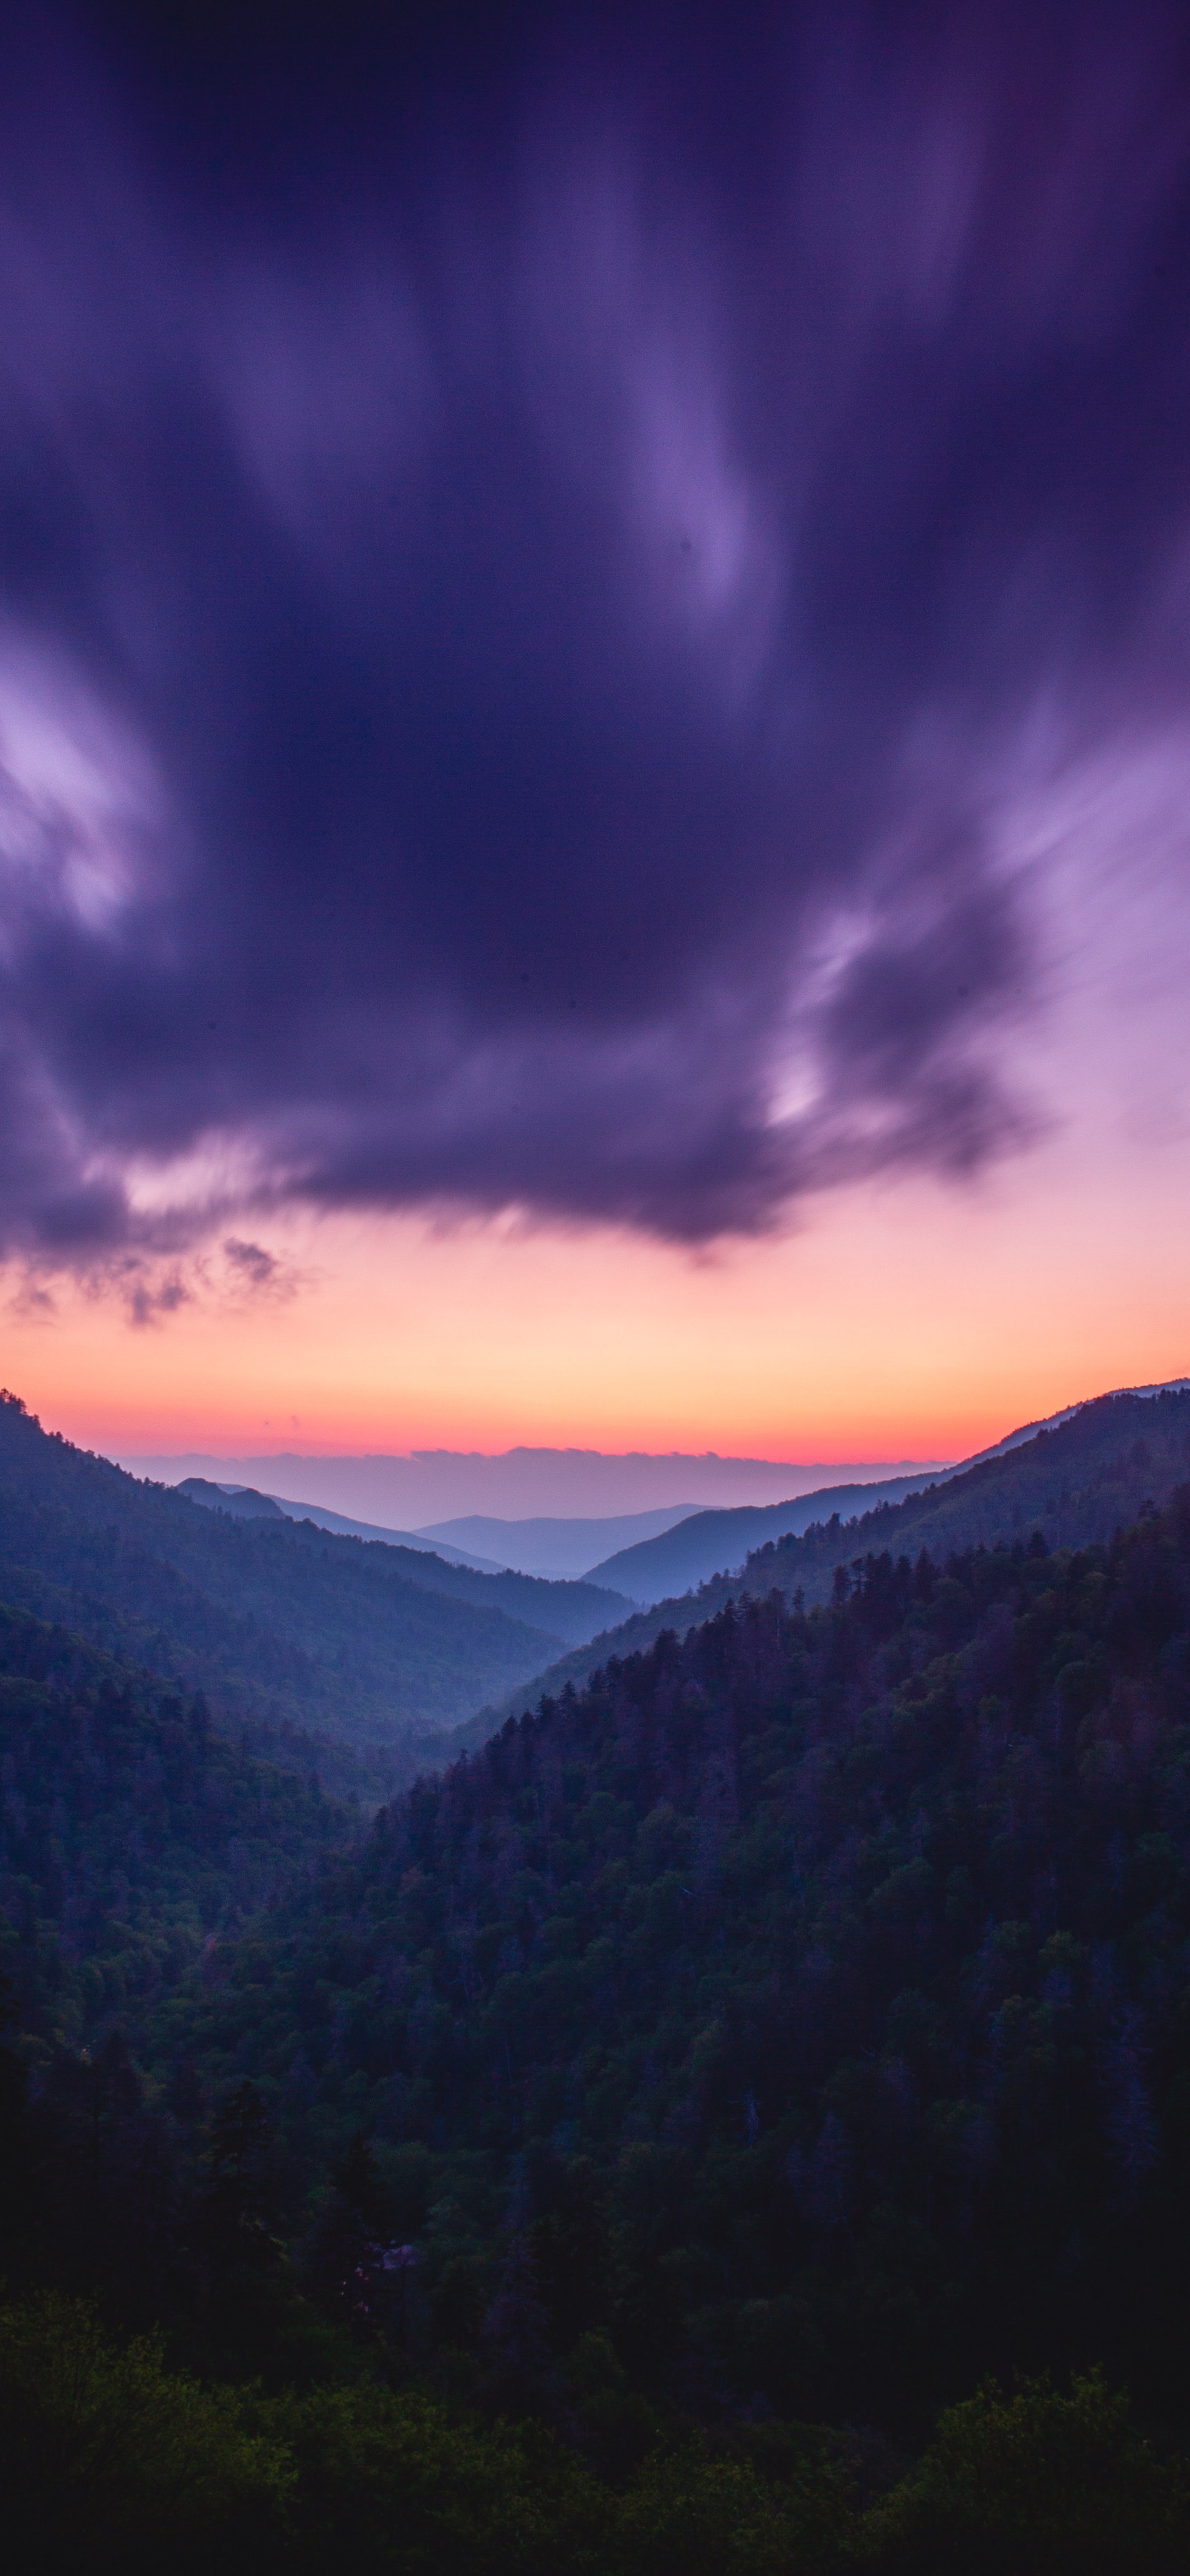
<point x="560" y="1547"/>
<point x="244" y="1502"/>
<point x="280" y="1622"/>
<point x="707" y="1543"/>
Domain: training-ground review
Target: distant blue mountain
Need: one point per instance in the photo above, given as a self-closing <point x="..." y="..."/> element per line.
<point x="709" y="1543"/>
<point x="557" y="1547"/>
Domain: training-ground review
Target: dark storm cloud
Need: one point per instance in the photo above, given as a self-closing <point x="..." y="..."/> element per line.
<point x="531" y="577"/>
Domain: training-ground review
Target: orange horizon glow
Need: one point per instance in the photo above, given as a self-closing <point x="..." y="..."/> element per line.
<point x="912" y="1322"/>
<point x="909" y="1320"/>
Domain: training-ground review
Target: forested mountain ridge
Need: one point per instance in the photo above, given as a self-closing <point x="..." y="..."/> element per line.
<point x="249" y="1503"/>
<point x="803" y="2005"/>
<point x="771" y="2039"/>
<point x="563" y="1604"/>
<point x="275" y="1619"/>
<point x="1076" y="1482"/>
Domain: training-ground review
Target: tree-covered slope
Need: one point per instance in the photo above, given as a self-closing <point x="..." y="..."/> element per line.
<point x="804" y="2005"/>
<point x="766" y="2043"/>
<point x="560" y="1606"/>
<point x="1076" y="1482"/>
<point x="131" y="1836"/>
<point x="276" y="1620"/>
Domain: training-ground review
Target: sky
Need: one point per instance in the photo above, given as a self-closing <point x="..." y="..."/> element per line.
<point x="594" y="724"/>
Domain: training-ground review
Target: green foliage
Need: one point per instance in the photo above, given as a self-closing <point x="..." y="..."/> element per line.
<point x="1037" y="2483"/>
<point x="692" y="2513"/>
<point x="387" y="2480"/>
<point x="113" y="2462"/>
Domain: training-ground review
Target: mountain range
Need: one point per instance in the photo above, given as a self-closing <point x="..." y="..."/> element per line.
<point x="246" y="1502"/>
<point x="366" y="1645"/>
<point x="762" y="2041"/>
<point x="800" y="2005"/>
<point x="395" y="1656"/>
<point x="717" y="1542"/>
<point x="430" y="1487"/>
<point x="1074" y="1479"/>
<point x="557" y="1546"/>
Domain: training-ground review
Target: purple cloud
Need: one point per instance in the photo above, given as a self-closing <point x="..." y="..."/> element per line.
<point x="530" y="583"/>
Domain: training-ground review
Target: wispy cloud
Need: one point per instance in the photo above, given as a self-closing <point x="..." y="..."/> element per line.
<point x="521" y="665"/>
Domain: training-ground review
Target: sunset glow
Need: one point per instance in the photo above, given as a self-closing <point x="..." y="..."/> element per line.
<point x="911" y="1323"/>
<point x="593" y="861"/>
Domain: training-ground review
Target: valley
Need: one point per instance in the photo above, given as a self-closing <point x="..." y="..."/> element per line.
<point x="776" y="2026"/>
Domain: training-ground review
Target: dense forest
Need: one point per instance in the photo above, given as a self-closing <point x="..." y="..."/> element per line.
<point x="279" y="1622"/>
<point x="131" y="1836"/>
<point x="740" y="2116"/>
<point x="833" y="1959"/>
